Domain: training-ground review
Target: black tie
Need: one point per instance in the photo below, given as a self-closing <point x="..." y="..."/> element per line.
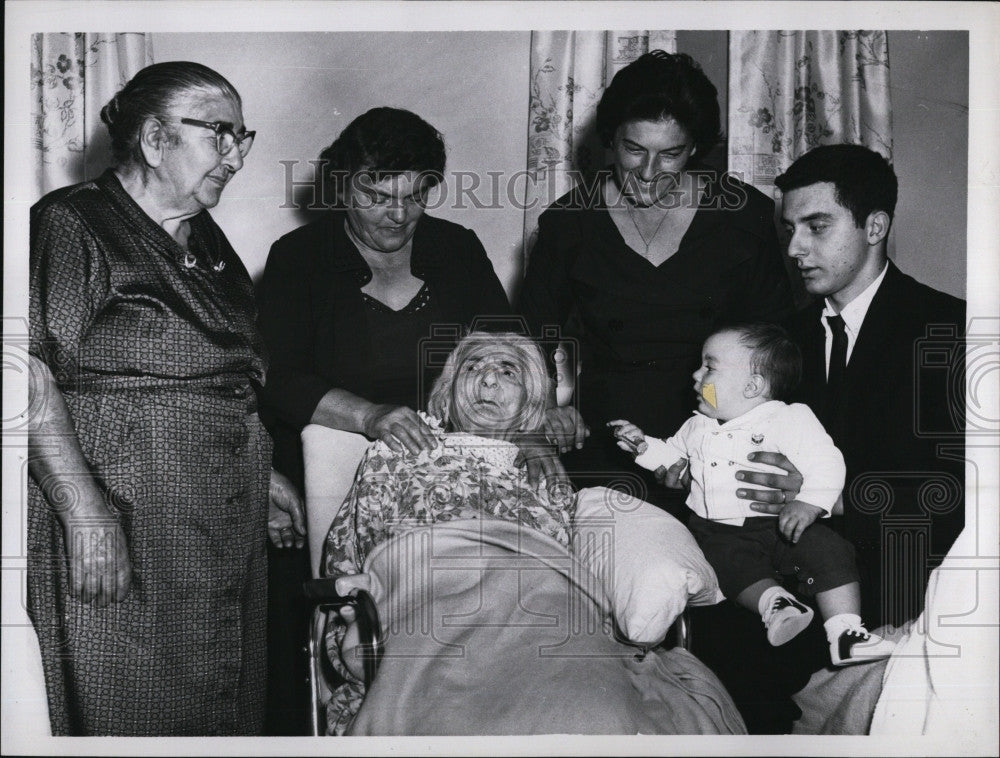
<point x="835" y="376"/>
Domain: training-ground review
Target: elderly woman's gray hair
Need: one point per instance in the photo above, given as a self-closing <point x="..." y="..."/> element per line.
<point x="532" y="363"/>
<point x="150" y="94"/>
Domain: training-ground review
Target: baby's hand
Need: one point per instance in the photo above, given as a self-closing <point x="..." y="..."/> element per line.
<point x="795" y="517"/>
<point x="630" y="437"/>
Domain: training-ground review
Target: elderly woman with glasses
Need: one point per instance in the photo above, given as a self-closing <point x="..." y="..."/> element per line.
<point x="149" y="467"/>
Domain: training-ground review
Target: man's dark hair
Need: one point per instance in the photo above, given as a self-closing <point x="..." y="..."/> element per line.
<point x="773" y="355"/>
<point x="863" y="180"/>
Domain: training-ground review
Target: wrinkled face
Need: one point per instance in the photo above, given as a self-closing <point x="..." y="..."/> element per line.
<point x="649" y="156"/>
<point x="384" y="214"/>
<point x="722" y="380"/>
<point x="831" y="252"/>
<point x="490" y="393"/>
<point x="192" y="167"/>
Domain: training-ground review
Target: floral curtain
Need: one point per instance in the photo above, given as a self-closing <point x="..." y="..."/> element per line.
<point x="73" y="76"/>
<point x="790" y="91"/>
<point x="568" y="73"/>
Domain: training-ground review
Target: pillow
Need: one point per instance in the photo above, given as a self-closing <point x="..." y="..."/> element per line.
<point x="647" y="562"/>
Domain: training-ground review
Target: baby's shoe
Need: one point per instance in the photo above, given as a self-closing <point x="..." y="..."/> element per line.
<point x="785" y="618"/>
<point x="857" y="645"/>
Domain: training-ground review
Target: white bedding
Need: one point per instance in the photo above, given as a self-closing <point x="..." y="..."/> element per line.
<point x="941" y="681"/>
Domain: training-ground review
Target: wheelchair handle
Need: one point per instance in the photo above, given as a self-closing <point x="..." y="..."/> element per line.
<point x="323" y="592"/>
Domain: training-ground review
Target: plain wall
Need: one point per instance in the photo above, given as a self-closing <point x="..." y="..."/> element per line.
<point x="301" y="89"/>
<point x="929" y="81"/>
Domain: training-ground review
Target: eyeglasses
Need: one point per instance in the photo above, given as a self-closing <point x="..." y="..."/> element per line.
<point x="225" y="138"/>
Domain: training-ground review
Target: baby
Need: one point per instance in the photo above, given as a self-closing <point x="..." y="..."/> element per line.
<point x="746" y="371"/>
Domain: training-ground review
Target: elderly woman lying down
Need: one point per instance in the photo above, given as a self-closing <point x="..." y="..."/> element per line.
<point x="498" y="601"/>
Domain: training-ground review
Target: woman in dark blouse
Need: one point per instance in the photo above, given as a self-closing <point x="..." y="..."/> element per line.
<point x="346" y="301"/>
<point x="347" y="308"/>
<point x="641" y="265"/>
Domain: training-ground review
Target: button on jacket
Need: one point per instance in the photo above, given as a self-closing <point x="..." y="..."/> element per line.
<point x="717" y="451"/>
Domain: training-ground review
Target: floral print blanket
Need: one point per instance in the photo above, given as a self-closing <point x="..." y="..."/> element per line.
<point x="464" y="477"/>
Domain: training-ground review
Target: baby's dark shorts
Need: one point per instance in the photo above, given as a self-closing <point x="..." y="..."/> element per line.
<point x="742" y="555"/>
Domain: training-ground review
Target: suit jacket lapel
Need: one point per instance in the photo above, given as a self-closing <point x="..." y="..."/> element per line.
<point x="813" y="346"/>
<point x="877" y="330"/>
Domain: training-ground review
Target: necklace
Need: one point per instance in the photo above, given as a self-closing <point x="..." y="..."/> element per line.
<point x="649" y="242"/>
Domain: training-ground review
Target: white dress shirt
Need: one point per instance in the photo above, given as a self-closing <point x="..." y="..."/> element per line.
<point x="716" y="451"/>
<point x="853" y="314"/>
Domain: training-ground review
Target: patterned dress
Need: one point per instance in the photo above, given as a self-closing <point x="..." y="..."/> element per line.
<point x="156" y="354"/>
<point x="464" y="477"/>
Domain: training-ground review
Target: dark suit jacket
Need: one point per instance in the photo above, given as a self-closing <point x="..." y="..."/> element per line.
<point x="314" y="322"/>
<point x="901" y="433"/>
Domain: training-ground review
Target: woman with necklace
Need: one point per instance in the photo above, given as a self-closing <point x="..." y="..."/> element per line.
<point x="345" y="300"/>
<point x="644" y="265"/>
<point x="639" y="269"/>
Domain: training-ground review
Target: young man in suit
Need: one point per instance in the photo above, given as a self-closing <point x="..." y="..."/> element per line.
<point x="883" y="368"/>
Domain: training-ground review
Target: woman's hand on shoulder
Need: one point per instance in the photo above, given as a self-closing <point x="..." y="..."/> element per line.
<point x="542" y="465"/>
<point x="400" y="428"/>
<point x="563" y="427"/>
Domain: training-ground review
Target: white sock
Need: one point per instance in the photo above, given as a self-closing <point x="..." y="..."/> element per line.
<point x="836" y="625"/>
<point x="768" y="596"/>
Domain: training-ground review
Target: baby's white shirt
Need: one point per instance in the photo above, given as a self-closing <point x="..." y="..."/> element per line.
<point x="717" y="451"/>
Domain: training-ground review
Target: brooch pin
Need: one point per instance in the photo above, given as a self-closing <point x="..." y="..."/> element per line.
<point x="217" y="268"/>
<point x="757" y="439"/>
<point x="190" y="261"/>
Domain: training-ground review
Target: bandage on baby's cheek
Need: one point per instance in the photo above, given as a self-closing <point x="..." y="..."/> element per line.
<point x="708" y="392"/>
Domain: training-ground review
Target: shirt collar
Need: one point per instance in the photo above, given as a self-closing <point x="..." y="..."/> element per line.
<point x="855" y="311"/>
<point x="752" y="416"/>
<point x="499" y="453"/>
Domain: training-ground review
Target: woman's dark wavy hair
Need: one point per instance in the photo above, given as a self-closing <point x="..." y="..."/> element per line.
<point x="150" y="94"/>
<point x="383" y="142"/>
<point x="661" y="85"/>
